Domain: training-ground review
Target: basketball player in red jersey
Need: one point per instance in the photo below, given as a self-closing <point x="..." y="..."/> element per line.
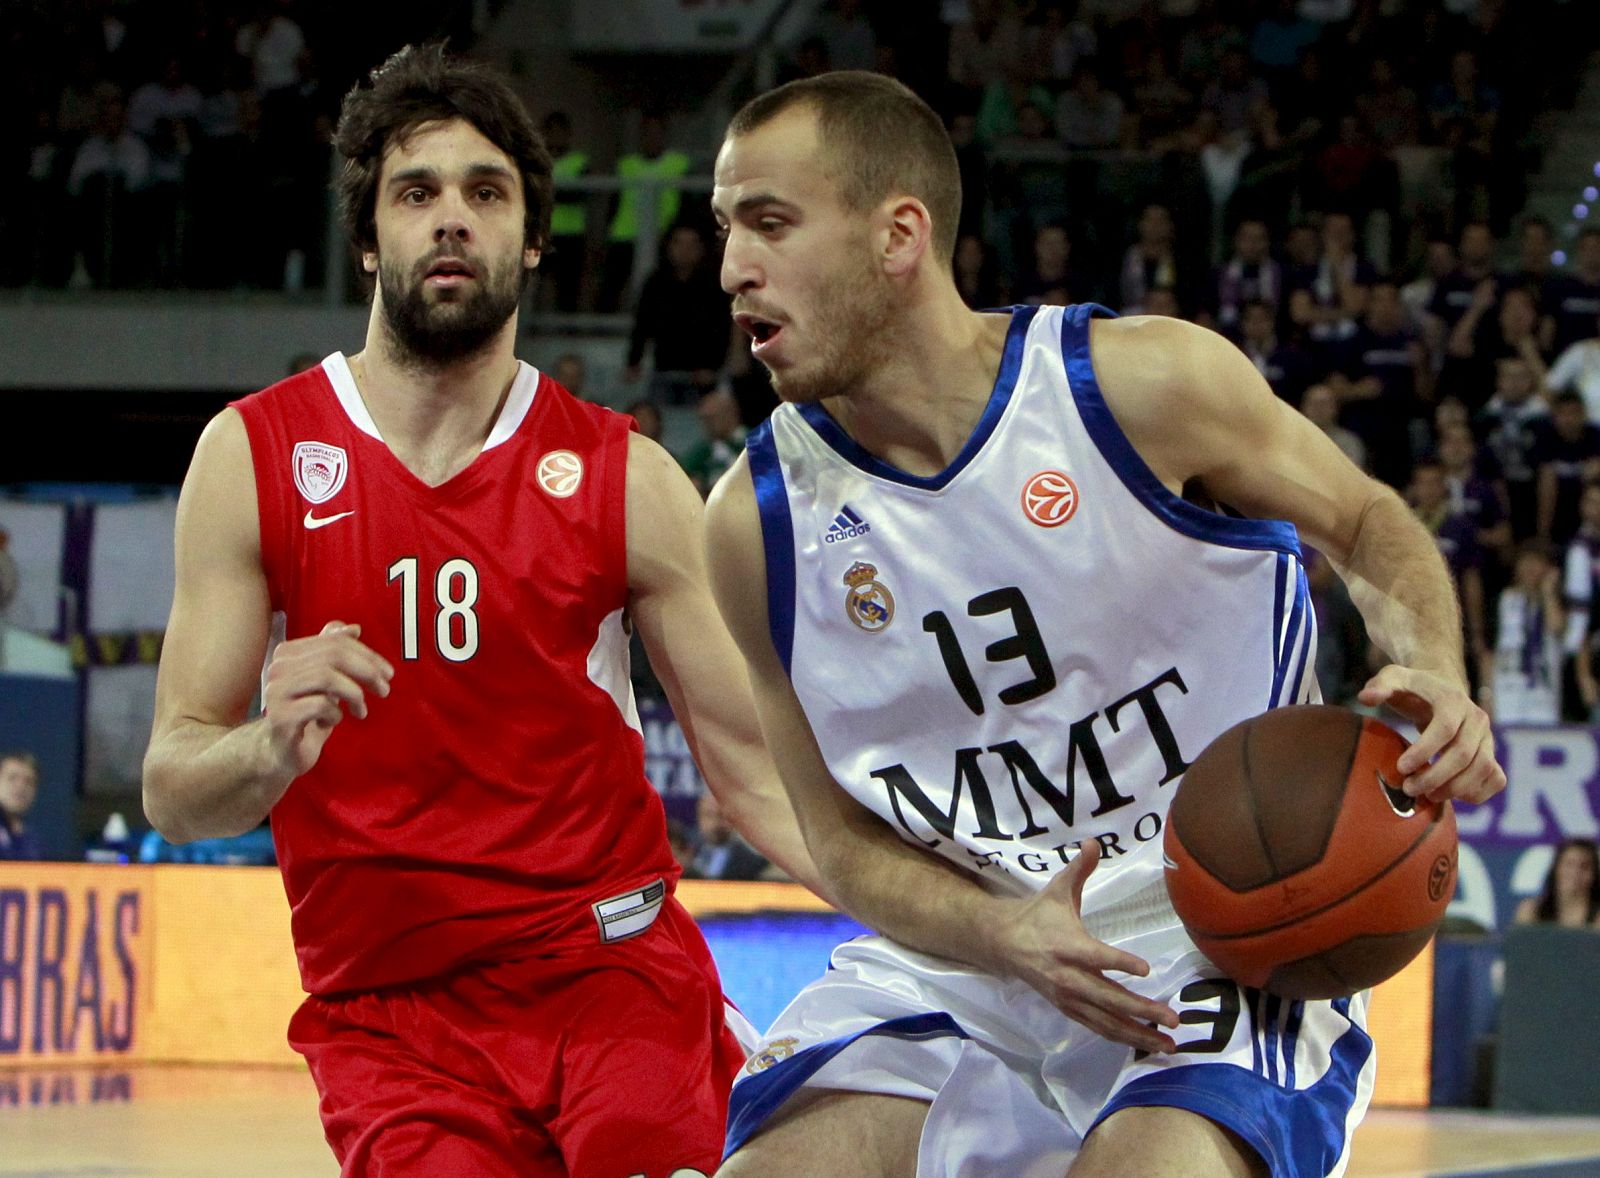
<point x="449" y="546"/>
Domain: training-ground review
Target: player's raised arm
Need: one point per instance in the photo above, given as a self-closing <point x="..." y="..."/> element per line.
<point x="918" y="899"/>
<point x="696" y="661"/>
<point x="1196" y="409"/>
<point x="207" y="773"/>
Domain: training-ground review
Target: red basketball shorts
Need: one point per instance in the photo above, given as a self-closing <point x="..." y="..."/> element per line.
<point x="614" y="1062"/>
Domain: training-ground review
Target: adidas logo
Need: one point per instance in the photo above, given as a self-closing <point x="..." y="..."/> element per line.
<point x="847" y="525"/>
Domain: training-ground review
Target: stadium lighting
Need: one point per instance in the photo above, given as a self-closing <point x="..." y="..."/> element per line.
<point x="1591" y="194"/>
<point x="1559" y="258"/>
<point x="1580" y="211"/>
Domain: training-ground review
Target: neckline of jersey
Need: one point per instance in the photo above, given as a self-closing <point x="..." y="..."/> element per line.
<point x="518" y="404"/>
<point x="1005" y="383"/>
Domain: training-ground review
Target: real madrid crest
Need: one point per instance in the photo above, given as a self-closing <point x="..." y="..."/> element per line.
<point x="770" y="1053"/>
<point x="868" y="603"/>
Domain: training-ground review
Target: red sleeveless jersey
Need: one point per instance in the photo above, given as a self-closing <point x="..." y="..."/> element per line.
<point x="498" y="793"/>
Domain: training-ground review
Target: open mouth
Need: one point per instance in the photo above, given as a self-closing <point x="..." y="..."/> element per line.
<point x="761" y="331"/>
<point x="450" y="268"/>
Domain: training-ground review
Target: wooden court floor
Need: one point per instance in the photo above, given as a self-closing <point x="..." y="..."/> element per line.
<point x="218" y="1122"/>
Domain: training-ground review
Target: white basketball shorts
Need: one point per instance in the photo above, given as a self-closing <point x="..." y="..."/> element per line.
<point x="1015" y="1086"/>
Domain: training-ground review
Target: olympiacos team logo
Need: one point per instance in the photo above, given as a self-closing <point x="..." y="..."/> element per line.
<point x="560" y="472"/>
<point x="868" y="604"/>
<point x="319" y="470"/>
<point x="1049" y="498"/>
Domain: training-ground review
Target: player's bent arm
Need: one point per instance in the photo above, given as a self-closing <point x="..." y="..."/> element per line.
<point x="1196" y="409"/>
<point x="918" y="899"/>
<point x="206" y="774"/>
<point x="696" y="661"/>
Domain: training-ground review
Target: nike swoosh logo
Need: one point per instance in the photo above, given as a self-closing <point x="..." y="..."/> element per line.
<point x="313" y="522"/>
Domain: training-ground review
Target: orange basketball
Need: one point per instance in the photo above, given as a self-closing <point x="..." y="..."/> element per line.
<point x="1296" y="863"/>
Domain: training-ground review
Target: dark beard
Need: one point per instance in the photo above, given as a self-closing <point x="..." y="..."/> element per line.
<point x="434" y="334"/>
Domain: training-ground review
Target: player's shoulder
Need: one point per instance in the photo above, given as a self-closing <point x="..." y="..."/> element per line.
<point x="731" y="506"/>
<point x="1152" y="366"/>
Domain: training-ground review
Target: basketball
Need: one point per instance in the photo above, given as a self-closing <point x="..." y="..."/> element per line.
<point x="1296" y="862"/>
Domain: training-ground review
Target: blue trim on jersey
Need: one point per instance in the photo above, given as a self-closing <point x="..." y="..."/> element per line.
<point x="1291" y="1039"/>
<point x="777" y="537"/>
<point x="1280" y="582"/>
<point x="1178" y="514"/>
<point x="1298" y="1133"/>
<point x="1005" y="383"/>
<point x="1269" y="1021"/>
<point x="1297" y="617"/>
<point x="757" y="1098"/>
<point x="1303" y="670"/>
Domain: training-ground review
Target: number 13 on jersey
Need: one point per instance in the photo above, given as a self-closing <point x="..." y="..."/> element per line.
<point x="455" y="591"/>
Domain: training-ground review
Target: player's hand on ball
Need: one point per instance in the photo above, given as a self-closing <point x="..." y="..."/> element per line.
<point x="310" y="684"/>
<point x="1044" y="943"/>
<point x="1454" y="755"/>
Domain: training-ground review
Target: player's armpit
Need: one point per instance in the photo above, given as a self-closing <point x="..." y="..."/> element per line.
<point x="696" y="660"/>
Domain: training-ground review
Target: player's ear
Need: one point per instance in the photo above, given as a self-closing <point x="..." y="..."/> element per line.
<point x="910" y="233"/>
<point x="369" y="261"/>
<point x="531" y="256"/>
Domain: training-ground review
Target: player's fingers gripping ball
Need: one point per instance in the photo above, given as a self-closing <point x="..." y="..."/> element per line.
<point x="1296" y="862"/>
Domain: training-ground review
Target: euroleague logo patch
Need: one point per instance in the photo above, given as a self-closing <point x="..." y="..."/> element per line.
<point x="559" y="473"/>
<point x="1050" y="498"/>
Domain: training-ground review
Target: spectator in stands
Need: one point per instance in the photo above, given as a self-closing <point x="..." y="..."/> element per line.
<point x="1388" y="379"/>
<point x="982" y="46"/>
<point x="229" y="126"/>
<point x="1526" y="681"/>
<point x="1163" y="300"/>
<point x="1566" y="456"/>
<point x="723" y="441"/>
<point x="169" y="98"/>
<point x="973" y="163"/>
<point x="1536" y="247"/>
<point x="39" y="224"/>
<point x="1088" y="115"/>
<point x="1494" y="327"/>
<point x="1234" y="92"/>
<point x="1252" y="275"/>
<point x="1162" y="106"/>
<point x="1320" y="404"/>
<point x="847" y="34"/>
<point x="19" y="786"/>
<point x="1512" y="424"/>
<point x="1573" y="300"/>
<point x="1050" y="279"/>
<point x="1352" y="174"/>
<point x="1457" y="537"/>
<point x="1580" y="577"/>
<point x="1439" y="262"/>
<point x="1342" y="647"/>
<point x="810" y="59"/>
<point x="565" y="258"/>
<point x="653" y="161"/>
<point x="1152" y="260"/>
<point x="1464" y="99"/>
<point x="1388" y="108"/>
<point x="1327" y="304"/>
<point x="681" y="840"/>
<point x="1475" y="490"/>
<point x="1059" y="43"/>
<point x="647" y="415"/>
<point x="1282" y="365"/>
<point x="1577" y="370"/>
<point x="1302" y="99"/>
<point x="1280" y="37"/>
<point x="977" y="274"/>
<point x="1269" y="177"/>
<point x="682" y="316"/>
<point x="165" y="114"/>
<point x="722" y="853"/>
<point x="273" y="42"/>
<point x="571" y="372"/>
<point x="1003" y="103"/>
<point x="1455" y="293"/>
<point x="1571" y="893"/>
<point x="109" y="172"/>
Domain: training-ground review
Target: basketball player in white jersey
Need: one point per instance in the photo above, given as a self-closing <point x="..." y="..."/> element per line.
<point x="988" y="633"/>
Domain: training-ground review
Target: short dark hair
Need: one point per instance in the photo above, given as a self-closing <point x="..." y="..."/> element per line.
<point x="1567" y="397"/>
<point x="423" y="84"/>
<point x="878" y="138"/>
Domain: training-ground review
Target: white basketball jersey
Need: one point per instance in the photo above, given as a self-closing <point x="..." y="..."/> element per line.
<point x="1027" y="650"/>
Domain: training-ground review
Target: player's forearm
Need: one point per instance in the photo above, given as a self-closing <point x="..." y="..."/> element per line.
<point x="210" y="781"/>
<point x="918" y="899"/>
<point x="1403" y="589"/>
<point x="746" y="786"/>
